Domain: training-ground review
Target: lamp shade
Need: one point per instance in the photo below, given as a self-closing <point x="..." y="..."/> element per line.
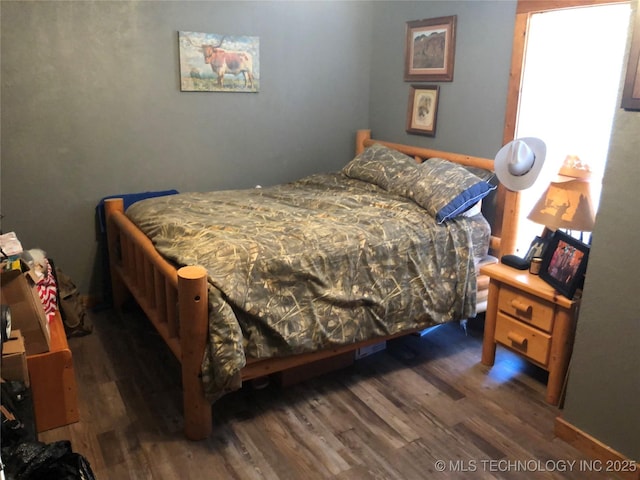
<point x="565" y="205"/>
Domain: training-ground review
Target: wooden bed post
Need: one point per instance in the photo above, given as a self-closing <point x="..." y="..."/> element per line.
<point x="510" y="209"/>
<point x="193" y="311"/>
<point x="361" y="136"/>
<point x="119" y="291"/>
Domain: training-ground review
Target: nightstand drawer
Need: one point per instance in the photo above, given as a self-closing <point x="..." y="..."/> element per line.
<point x="524" y="339"/>
<point x="527" y="308"/>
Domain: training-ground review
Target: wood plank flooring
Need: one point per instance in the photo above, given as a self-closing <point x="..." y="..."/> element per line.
<point x="423" y="408"/>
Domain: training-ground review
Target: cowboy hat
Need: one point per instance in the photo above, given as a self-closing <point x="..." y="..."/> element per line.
<point x="519" y="162"/>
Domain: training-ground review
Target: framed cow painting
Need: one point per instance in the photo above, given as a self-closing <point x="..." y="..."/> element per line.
<point x="212" y="62"/>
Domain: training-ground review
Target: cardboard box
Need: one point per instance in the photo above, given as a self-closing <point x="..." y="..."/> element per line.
<point x="27" y="312"/>
<point x="14" y="359"/>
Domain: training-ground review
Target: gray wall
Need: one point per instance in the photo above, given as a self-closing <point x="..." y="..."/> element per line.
<point x="472" y="107"/>
<point x="91" y="107"/>
<point x="91" y="104"/>
<point x="604" y="383"/>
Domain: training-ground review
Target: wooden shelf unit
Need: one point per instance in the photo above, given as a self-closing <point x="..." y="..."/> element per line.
<point x="53" y="382"/>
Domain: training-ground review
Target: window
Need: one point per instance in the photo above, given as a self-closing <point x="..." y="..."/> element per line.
<point x="570" y="81"/>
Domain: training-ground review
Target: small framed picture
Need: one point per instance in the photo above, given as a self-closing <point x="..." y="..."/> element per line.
<point x="564" y="263"/>
<point x="631" y="92"/>
<point x="537" y="248"/>
<point x="430" y="50"/>
<point x="422" y="111"/>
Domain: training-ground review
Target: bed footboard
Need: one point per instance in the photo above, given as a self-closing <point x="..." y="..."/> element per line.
<point x="175" y="301"/>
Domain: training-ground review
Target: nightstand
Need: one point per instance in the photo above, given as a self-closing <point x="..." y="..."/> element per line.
<point x="526" y="315"/>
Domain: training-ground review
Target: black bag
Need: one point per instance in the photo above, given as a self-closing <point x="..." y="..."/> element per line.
<point x="72" y="309"/>
<point x="23" y="456"/>
<point x="41" y="461"/>
<point x="18" y="423"/>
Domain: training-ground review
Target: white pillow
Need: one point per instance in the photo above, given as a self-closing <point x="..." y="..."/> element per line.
<point x="473" y="211"/>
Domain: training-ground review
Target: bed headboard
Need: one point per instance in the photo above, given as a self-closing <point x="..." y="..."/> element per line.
<point x="504" y="225"/>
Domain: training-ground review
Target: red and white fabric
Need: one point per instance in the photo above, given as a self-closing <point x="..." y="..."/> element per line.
<point x="47" y="291"/>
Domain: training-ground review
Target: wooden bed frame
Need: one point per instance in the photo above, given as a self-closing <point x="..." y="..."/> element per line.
<point x="167" y="294"/>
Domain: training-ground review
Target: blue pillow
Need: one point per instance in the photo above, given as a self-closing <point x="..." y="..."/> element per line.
<point x="443" y="188"/>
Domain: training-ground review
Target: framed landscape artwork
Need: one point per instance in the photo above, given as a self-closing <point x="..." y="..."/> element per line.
<point x="430" y="50"/>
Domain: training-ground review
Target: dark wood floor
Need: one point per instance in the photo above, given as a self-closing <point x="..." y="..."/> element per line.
<point x="393" y="415"/>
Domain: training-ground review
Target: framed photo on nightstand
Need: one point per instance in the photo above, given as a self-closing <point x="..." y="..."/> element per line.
<point x="537" y="248"/>
<point x="565" y="263"/>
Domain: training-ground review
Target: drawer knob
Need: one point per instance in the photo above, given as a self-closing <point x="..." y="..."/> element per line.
<point x="522" y="307"/>
<point x="517" y="339"/>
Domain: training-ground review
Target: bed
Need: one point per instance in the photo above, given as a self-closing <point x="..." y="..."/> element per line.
<point x="245" y="283"/>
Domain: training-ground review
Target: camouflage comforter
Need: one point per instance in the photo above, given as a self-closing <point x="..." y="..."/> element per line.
<point x="323" y="261"/>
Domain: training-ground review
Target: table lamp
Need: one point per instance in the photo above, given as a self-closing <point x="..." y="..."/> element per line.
<point x="566" y="203"/>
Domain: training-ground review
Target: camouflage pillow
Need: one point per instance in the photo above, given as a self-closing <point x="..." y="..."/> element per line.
<point x="379" y="165"/>
<point x="486" y="175"/>
<point x="445" y="189"/>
